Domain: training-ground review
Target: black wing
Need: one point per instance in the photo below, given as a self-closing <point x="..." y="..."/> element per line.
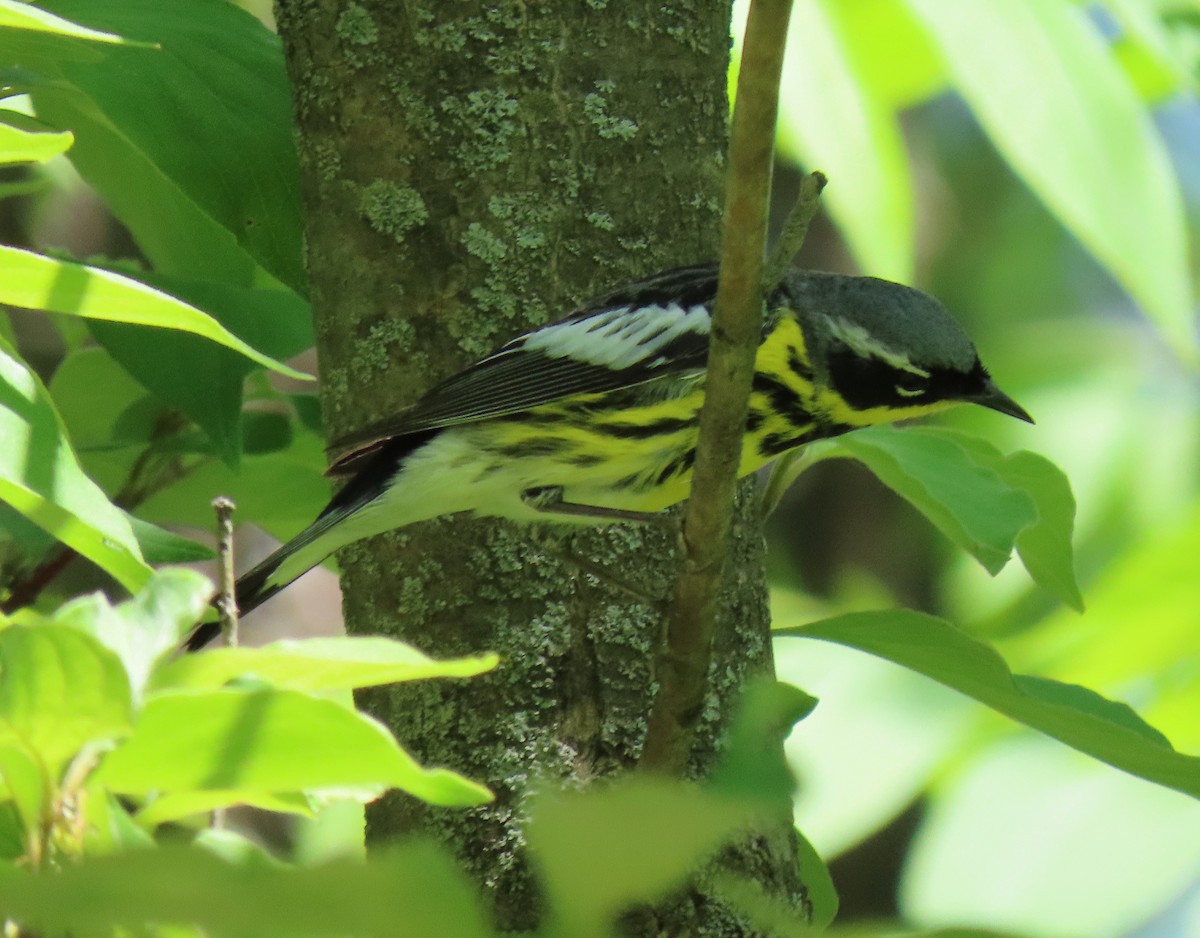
<point x="637" y="333"/>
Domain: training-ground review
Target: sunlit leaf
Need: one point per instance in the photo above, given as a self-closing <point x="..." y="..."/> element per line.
<point x="142" y="629"/>
<point x="891" y="50"/>
<point x="40" y="478"/>
<point x="318" y="664"/>
<point x="59" y="690"/>
<point x="16" y="15"/>
<point x="33" y="281"/>
<point x="24" y="140"/>
<point x="270" y="741"/>
<point x="175" y="806"/>
<point x="1147" y="52"/>
<point x="23" y="782"/>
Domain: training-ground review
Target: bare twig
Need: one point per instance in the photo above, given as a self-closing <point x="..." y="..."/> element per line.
<point x="795" y="229"/>
<point x="737" y="323"/>
<point x="226" y="601"/>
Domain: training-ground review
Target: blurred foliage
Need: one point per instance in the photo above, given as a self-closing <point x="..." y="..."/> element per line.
<point x="1042" y="179"/>
<point x="1031" y="162"/>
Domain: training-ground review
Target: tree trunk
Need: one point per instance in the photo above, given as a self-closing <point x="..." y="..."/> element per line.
<point x="470" y="171"/>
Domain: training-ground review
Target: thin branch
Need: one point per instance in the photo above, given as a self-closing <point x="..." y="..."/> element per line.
<point x="737" y="323"/>
<point x="226" y="601"/>
<point x="28" y="588"/>
<point x="133" y="492"/>
<point x="795" y="230"/>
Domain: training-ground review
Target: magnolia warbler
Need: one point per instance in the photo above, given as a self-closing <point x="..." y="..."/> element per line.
<point x="594" y="418"/>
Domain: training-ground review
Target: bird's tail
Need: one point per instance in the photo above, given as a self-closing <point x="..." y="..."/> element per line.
<point x="352" y="514"/>
<point x="292" y="560"/>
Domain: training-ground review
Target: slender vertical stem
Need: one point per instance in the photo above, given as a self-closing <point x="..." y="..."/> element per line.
<point x="226" y="598"/>
<point x="226" y="601"/>
<point x="736" y="332"/>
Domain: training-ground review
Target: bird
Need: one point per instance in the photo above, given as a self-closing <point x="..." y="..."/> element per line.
<point x="594" y="418"/>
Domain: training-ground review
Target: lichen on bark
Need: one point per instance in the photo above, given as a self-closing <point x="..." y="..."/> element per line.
<point x="469" y="172"/>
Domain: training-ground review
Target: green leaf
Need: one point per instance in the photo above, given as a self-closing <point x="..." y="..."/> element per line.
<point x="831" y="118"/>
<point x="266" y="432"/>
<point x="753" y="766"/>
<point x="317" y="664"/>
<point x="1104" y="729"/>
<point x="22" y="782"/>
<point x="108" y="416"/>
<point x="204" y="380"/>
<point x="412" y="891"/>
<point x="1108" y="176"/>
<point x="30" y="186"/>
<point x="171" y="230"/>
<point x="819" y="883"/>
<point x="107" y="826"/>
<point x="337" y="830"/>
<point x="101" y="405"/>
<point x="270" y="741"/>
<point x="142" y="630"/>
<point x="217" y="81"/>
<point x="162" y="546"/>
<point x="25" y="140"/>
<point x="12" y="836"/>
<point x="1081" y="698"/>
<point x="59" y="691"/>
<point x="604" y="850"/>
<point x="281" y="492"/>
<point x="41" y="479"/>
<point x="236" y="848"/>
<point x="895" y="717"/>
<point x="179" y="805"/>
<point x="943" y="475"/>
<point x="978" y="497"/>
<point x="1045" y="546"/>
<point x="15" y="15"/>
<point x="33" y="281"/>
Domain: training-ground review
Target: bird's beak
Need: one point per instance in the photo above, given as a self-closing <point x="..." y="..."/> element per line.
<point x="992" y="397"/>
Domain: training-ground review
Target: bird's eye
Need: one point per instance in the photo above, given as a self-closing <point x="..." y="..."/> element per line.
<point x="911" y="386"/>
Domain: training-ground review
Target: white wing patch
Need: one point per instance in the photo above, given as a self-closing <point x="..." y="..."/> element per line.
<point x="621" y="337"/>
<point x="867" y="346"/>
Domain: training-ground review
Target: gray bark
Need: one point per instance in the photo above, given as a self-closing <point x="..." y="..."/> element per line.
<point x="470" y="171"/>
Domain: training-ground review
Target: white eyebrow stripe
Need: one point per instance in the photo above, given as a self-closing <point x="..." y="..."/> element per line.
<point x="868" y="346"/>
<point x="620" y="337"/>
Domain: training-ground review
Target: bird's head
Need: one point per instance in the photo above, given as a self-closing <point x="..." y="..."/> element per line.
<point x="881" y="351"/>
